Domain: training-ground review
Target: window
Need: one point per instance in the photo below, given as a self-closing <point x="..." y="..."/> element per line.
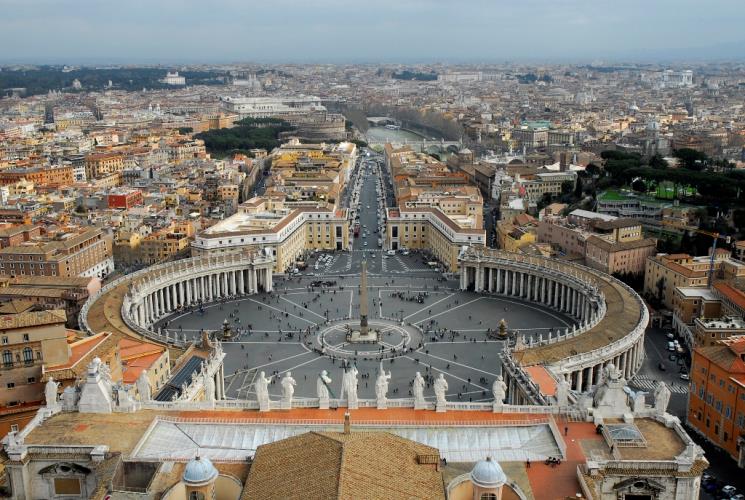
<point x="7" y="358"/>
<point x="25" y="337"/>
<point x="488" y="496"/>
<point x="13" y="427"/>
<point x="28" y="355"/>
<point x="10" y="385"/>
<point x="196" y="495"/>
<point x="31" y="380"/>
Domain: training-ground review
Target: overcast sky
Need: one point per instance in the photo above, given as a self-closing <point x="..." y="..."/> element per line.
<point x="368" y="30"/>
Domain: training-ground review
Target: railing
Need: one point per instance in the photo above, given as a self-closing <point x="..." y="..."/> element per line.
<point x="586" y="491"/>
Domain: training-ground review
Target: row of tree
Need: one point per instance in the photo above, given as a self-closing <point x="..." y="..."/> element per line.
<point x="45" y="78"/>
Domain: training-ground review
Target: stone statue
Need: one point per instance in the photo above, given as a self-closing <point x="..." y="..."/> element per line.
<point x="209" y="388"/>
<point x="261" y="386"/>
<point x="609" y="397"/>
<point x="143" y="387"/>
<point x="418" y="391"/>
<point x="661" y="397"/>
<point x="50" y="393"/>
<point x="349" y="386"/>
<point x="105" y="374"/>
<point x="381" y="386"/>
<point x="322" y="387"/>
<point x="288" y="389"/>
<point x="69" y="399"/>
<point x="441" y="387"/>
<point x="499" y="390"/>
<point x="562" y="392"/>
<point x="123" y="399"/>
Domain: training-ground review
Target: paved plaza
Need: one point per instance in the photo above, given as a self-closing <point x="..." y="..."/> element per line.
<point x="447" y="332"/>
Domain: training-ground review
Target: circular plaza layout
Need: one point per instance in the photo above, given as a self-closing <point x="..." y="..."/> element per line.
<point x="426" y="325"/>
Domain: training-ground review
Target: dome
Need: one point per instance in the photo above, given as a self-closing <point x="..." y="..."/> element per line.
<point x="488" y="474"/>
<point x="199" y="471"/>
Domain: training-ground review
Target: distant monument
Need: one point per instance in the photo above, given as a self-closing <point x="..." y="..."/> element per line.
<point x="364" y="335"/>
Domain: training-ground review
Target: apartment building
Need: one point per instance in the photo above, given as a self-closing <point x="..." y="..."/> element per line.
<point x="716" y="399"/>
<point x="79" y="252"/>
<point x="604" y="242"/>
<point x="430" y="229"/>
<point x="16" y="234"/>
<point x="100" y="164"/>
<point x="50" y="292"/>
<point x="50" y="175"/>
<point x="666" y="272"/>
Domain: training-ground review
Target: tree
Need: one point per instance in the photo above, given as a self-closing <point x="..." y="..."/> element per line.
<point x="639" y="186"/>
<point x="657" y="161"/>
<point x="660" y="285"/>
<point x="567" y="187"/>
<point x="691" y="159"/>
<point x="592" y="169"/>
<point x="578" y="189"/>
<point x="738" y="218"/>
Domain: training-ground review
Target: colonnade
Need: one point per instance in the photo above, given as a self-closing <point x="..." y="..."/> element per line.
<point x="627" y="362"/>
<point x="572" y="290"/>
<point x="532" y="285"/>
<point x="208" y="287"/>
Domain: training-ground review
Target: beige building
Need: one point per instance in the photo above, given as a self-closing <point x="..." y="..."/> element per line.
<point x="288" y="232"/>
<point x="430" y="229"/>
<point x="80" y="252"/>
<point x="666" y="272"/>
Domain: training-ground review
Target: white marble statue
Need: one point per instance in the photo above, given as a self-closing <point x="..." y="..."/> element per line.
<point x="143" y="387"/>
<point x="261" y="386"/>
<point x="69" y="399"/>
<point x="381" y="386"/>
<point x="661" y="397"/>
<point x="322" y="387"/>
<point x="50" y="393"/>
<point x="349" y="386"/>
<point x="209" y="388"/>
<point x="499" y="390"/>
<point x="562" y="392"/>
<point x="441" y="387"/>
<point x="288" y="389"/>
<point x="418" y="391"/>
<point x="609" y="397"/>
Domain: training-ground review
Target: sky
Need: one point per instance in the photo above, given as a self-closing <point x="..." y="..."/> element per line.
<point x="376" y="31"/>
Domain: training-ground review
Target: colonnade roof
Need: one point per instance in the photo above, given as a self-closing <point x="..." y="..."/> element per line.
<point x="622" y="316"/>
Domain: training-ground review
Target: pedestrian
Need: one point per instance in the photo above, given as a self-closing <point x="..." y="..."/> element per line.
<point x="527" y="464"/>
<point x="566" y="430"/>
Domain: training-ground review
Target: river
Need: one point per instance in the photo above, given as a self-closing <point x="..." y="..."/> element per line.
<point x="381" y="135"/>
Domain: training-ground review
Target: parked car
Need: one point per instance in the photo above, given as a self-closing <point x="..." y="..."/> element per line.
<point x="661" y="366"/>
<point x="684" y="376"/>
<point x="672" y="357"/>
<point x="729" y="490"/>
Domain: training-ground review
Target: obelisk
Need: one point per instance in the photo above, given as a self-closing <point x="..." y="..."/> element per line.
<point x="363" y="300"/>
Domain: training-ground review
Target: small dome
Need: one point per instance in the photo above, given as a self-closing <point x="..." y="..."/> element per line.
<point x="199" y="471"/>
<point x="488" y="474"/>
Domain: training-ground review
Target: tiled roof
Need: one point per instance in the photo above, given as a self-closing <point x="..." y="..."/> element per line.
<point x="358" y="465"/>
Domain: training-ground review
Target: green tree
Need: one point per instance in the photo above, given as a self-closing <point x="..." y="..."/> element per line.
<point x="691" y="159"/>
<point x="639" y="186"/>
<point x="567" y="187"/>
<point x="657" y="161"/>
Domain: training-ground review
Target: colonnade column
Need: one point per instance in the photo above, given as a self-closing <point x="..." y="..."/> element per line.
<point x="269" y="282"/>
